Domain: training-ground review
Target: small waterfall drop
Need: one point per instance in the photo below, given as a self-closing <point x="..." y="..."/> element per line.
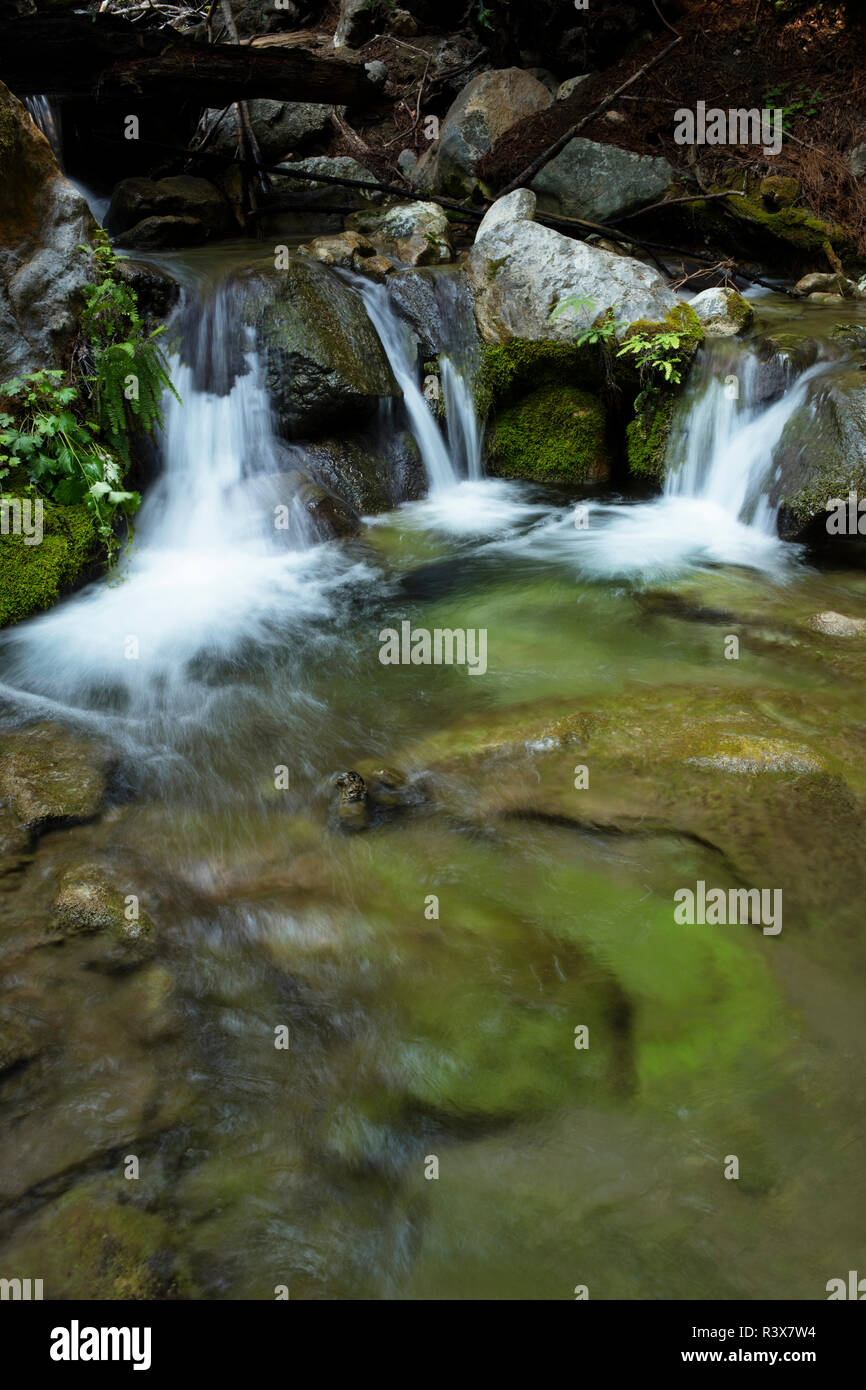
<point x="47" y="117"/>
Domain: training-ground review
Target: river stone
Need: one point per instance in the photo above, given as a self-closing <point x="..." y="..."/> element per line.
<point x="370" y="474"/>
<point x="489" y="105"/>
<point x="280" y="127"/>
<point x="599" y="182"/>
<point x="356" y="24"/>
<point x="345" y="249"/>
<point x="822" y="451"/>
<point x="822" y="282"/>
<point x="325" y="364"/>
<point x="518" y="206"/>
<point x="723" y="313"/>
<point x="43" y="219"/>
<point x="415" y="233"/>
<point x="521" y="271"/>
<point x="50" y="776"/>
<point x="838" y="625"/>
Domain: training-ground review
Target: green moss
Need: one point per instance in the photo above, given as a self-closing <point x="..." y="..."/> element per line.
<point x="779" y="191"/>
<point x="556" y="434"/>
<point x="646" y="440"/>
<point x="32" y="577"/>
<point x="798" y="227"/>
<point x="509" y="370"/>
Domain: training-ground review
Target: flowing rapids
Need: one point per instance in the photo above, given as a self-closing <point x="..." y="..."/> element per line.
<point x="351" y="1068"/>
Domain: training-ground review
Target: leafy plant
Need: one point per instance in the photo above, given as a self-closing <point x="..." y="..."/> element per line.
<point x="71" y="438"/>
<point x="804" y="104"/>
<point x="129" y="371"/>
<point x="602" y="331"/>
<point x="62" y="455"/>
<point x="657" y="356"/>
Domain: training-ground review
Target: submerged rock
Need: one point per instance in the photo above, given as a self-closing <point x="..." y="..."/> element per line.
<point x="838" y="625"/>
<point x="50" y="776"/>
<point x="353" y="811"/>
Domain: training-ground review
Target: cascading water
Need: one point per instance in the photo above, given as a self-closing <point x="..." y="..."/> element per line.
<point x="222" y="553"/>
<point x="47" y="117"/>
<point x="715" y="507"/>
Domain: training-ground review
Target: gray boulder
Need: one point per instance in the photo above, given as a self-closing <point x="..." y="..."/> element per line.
<point x="518" y="206"/>
<point x="723" y="312"/>
<point x="327" y="194"/>
<point x="325" y="364"/>
<point x="357" y="24"/>
<point x="520" y="272"/>
<point x="42" y="221"/>
<point x="281" y="127"/>
<point x="822" y="451"/>
<point x="486" y="108"/>
<point x="597" y="182"/>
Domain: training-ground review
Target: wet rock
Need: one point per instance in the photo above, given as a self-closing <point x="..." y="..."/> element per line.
<point x="43" y="219"/>
<point x="518" y="206"/>
<point x="415" y="233"/>
<point x="157" y="292"/>
<point x="347" y="249"/>
<point x="14" y="842"/>
<point x="406" y="162"/>
<point x="325" y="363"/>
<point x="838" y="625"/>
<point x="89" y="1247"/>
<point x="489" y="105"/>
<point x="50" y="776"/>
<point x="90" y="901"/>
<point x="821" y="454"/>
<point x="599" y="182"/>
<point x="376" y="71"/>
<point x="353" y="812"/>
<point x="521" y="271"/>
<point x="821" y="298"/>
<point x="178" y="211"/>
<point x="723" y="313"/>
<point x="281" y="128"/>
<point x="370" y="473"/>
<point x="823" y="283"/>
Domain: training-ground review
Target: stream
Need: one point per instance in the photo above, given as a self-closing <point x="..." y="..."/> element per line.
<point x="431" y="1128"/>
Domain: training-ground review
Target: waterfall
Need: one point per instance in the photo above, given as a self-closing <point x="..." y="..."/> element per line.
<point x="222" y="554"/>
<point x="449" y="461"/>
<point x="46" y="116"/>
<point x="715" y="507"/>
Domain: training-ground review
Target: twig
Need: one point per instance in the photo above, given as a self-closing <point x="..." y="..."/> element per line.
<point x="526" y="175"/>
<point x="669" y="202"/>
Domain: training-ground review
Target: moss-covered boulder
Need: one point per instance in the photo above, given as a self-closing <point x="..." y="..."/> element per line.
<point x="325" y="364"/>
<point x="770" y="227"/>
<point x="32" y="577"/>
<point x="510" y="370"/>
<point x="556" y="434"/>
<point x="49" y="776"/>
<point x="822" y="452"/>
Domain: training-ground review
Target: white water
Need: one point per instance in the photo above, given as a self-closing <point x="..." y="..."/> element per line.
<point x="47" y="117"/>
<point x="221" y="556"/>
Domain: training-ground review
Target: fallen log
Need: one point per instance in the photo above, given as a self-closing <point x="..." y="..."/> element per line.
<point x="71" y="56"/>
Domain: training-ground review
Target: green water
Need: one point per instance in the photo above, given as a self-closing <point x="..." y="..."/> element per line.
<point x="420" y="1041"/>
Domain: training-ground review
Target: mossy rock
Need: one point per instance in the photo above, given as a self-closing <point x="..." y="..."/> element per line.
<point x="85" y="1247"/>
<point x="32" y="577"/>
<point x="512" y="369"/>
<point x="556" y="434"/>
<point x="90" y="902"/>
<point x="646" y="438"/>
<point x="681" y="320"/>
<point x="799" y="233"/>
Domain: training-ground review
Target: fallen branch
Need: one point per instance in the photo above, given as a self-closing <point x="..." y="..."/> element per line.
<point x="525" y="177"/>
<point x="669" y="202"/>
